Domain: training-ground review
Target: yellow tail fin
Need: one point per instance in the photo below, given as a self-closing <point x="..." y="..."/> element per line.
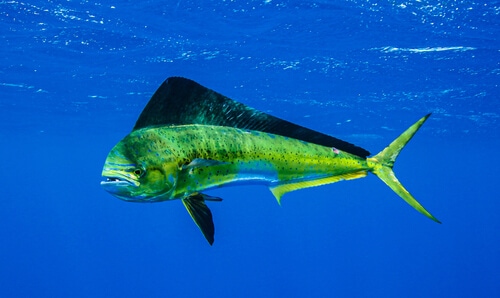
<point x="383" y="162"/>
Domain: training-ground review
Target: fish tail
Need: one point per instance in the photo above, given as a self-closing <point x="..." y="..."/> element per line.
<point x="383" y="162"/>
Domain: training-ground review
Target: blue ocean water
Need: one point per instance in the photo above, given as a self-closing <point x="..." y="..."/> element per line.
<point x="75" y="75"/>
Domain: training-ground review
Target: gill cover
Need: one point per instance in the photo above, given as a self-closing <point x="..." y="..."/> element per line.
<point x="133" y="175"/>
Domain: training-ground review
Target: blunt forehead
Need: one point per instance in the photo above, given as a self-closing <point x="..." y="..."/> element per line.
<point x="136" y="141"/>
<point x="146" y="146"/>
<point x="119" y="155"/>
<point x="142" y="138"/>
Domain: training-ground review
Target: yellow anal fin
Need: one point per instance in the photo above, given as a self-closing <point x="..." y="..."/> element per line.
<point x="281" y="189"/>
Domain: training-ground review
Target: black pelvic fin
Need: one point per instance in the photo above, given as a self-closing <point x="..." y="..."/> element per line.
<point x="195" y="205"/>
<point x="181" y="101"/>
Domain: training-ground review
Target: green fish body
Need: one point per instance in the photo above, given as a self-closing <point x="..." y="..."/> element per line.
<point x="190" y="139"/>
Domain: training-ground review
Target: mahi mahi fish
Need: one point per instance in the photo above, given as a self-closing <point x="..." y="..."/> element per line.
<point x="189" y="139"/>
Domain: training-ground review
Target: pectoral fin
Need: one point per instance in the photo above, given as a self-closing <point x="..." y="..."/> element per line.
<point x="195" y="205"/>
<point x="200" y="162"/>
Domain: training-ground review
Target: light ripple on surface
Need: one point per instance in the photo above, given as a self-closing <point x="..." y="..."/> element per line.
<point x="425" y="50"/>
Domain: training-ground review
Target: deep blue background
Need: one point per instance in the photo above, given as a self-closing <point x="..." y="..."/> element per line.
<point x="74" y="76"/>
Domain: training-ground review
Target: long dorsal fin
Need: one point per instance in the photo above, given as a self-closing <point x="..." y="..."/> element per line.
<point x="181" y="101"/>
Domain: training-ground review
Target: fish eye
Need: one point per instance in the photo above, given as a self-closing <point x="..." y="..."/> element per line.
<point x="139" y="172"/>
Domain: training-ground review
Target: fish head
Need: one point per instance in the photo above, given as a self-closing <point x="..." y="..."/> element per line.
<point x="136" y="171"/>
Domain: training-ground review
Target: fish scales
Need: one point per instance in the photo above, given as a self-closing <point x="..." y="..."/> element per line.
<point x="232" y="155"/>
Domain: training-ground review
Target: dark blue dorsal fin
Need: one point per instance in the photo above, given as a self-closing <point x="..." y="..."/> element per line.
<point x="180" y="101"/>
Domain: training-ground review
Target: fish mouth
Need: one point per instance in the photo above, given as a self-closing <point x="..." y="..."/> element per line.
<point x="118" y="181"/>
<point x="120" y="187"/>
<point x="118" y="184"/>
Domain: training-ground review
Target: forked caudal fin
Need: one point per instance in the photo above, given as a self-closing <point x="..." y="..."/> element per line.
<point x="383" y="162"/>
